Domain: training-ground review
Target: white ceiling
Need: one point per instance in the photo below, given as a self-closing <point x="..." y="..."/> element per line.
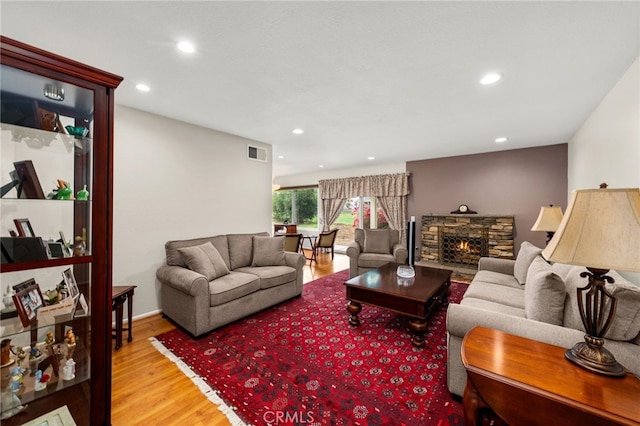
<point x="393" y="80"/>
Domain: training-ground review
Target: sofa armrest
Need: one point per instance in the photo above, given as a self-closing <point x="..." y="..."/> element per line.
<point x="400" y="253"/>
<point x="353" y="250"/>
<point x="294" y="260"/>
<point x="503" y="266"/>
<point x="183" y="279"/>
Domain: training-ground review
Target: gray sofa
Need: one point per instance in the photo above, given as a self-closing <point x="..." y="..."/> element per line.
<point x="210" y="282"/>
<point x="373" y="248"/>
<point x="529" y="297"/>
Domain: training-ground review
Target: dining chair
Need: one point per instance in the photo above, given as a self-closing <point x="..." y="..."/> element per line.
<point x="326" y="240"/>
<point x="292" y="242"/>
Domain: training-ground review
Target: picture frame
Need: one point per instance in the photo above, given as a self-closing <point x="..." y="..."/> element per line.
<point x="65" y="246"/>
<point x="72" y="285"/>
<point x="29" y="184"/>
<point x="24" y="228"/>
<point x="27" y="303"/>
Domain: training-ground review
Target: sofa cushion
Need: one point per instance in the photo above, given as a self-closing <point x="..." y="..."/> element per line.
<point x="268" y="251"/>
<point x="271" y="276"/>
<point x="374" y="260"/>
<point x="508" y="296"/>
<point x="174" y="258"/>
<point x="204" y="259"/>
<point x="240" y="250"/>
<point x="491" y="277"/>
<point x="544" y="293"/>
<point x="232" y="287"/>
<point x="626" y="322"/>
<point x="377" y="241"/>
<point x="527" y="253"/>
<point x="493" y="306"/>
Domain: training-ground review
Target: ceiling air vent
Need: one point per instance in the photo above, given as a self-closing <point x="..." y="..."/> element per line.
<point x="256" y="153"/>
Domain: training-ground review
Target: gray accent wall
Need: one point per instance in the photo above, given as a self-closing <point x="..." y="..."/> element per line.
<point x="515" y="182"/>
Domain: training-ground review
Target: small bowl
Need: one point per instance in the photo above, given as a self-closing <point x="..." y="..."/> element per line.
<point x="405" y="271"/>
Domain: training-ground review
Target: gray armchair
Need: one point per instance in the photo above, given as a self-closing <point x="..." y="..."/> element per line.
<point x="373" y="248"/>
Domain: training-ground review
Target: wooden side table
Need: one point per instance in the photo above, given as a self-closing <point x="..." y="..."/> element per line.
<point x="523" y="381"/>
<point x="119" y="295"/>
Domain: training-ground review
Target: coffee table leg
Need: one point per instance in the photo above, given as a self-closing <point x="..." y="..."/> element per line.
<point x="354" y="309"/>
<point x="419" y="327"/>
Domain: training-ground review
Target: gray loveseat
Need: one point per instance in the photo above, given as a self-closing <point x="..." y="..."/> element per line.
<point x="373" y="248"/>
<point x="210" y="282"/>
<point x="529" y="297"/>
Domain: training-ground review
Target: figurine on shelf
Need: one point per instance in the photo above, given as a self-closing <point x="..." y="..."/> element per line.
<point x="64" y="190"/>
<point x="70" y="340"/>
<point x="5" y="352"/>
<point x="50" y="339"/>
<point x="80" y="248"/>
<point x="7" y="299"/>
<point x="83" y="194"/>
<point x="21" y="355"/>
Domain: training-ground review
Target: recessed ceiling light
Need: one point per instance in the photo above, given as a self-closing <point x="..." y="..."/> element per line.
<point x="281" y="156"/>
<point x="371" y="158"/>
<point x="321" y="166"/>
<point x="298" y="131"/>
<point x="490" y="78"/>
<point x="501" y="140"/>
<point x="142" y="87"/>
<point x="186" y="47"/>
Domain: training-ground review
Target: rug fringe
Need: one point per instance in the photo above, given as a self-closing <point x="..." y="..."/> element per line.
<point x="211" y="393"/>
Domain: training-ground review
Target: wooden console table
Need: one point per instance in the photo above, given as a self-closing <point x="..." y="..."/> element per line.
<point x="291" y="229"/>
<point x="119" y="295"/>
<point x="523" y="381"/>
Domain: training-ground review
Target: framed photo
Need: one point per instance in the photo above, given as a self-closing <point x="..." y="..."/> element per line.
<point x="65" y="247"/>
<point x="24" y="228"/>
<point x="70" y="281"/>
<point x="27" y="303"/>
<point x="29" y="186"/>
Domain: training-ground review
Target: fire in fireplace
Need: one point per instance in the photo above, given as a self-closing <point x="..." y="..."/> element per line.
<point x="461" y="246"/>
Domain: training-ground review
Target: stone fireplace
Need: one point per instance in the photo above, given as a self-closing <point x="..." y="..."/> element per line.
<point x="460" y="240"/>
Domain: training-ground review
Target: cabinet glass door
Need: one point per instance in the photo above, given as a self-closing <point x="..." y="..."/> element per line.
<point x="46" y="152"/>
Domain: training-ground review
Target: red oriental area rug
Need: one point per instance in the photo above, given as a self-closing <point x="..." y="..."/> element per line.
<point x="300" y="363"/>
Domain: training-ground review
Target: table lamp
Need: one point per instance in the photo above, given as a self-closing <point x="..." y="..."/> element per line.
<point x="601" y="231"/>
<point x="548" y="220"/>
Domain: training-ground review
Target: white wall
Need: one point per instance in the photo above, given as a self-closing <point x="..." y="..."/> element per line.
<point x="173" y="180"/>
<point x="606" y="148"/>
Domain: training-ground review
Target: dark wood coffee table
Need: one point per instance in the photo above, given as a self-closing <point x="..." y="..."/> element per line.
<point x="416" y="299"/>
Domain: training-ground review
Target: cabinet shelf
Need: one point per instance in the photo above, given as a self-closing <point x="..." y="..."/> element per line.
<point x="21" y="266"/>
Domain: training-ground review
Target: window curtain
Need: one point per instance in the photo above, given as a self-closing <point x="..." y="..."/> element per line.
<point x="391" y="190"/>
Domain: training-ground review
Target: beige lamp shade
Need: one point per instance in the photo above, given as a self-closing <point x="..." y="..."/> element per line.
<point x="600" y="229"/>
<point x="548" y="220"/>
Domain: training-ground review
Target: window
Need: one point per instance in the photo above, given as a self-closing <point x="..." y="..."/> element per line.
<point x="353" y="216"/>
<point x="296" y="205"/>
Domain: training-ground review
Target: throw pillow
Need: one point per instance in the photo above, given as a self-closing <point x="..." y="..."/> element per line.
<point x="268" y="251"/>
<point x="527" y="253"/>
<point x="544" y="293"/>
<point x="376" y="241"/>
<point x="626" y="321"/>
<point x="204" y="259"/>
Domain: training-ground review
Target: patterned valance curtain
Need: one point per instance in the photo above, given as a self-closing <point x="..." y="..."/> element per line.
<point x="395" y="185"/>
<point x="390" y="190"/>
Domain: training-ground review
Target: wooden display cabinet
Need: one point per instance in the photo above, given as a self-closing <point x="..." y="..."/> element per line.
<point x="57" y="115"/>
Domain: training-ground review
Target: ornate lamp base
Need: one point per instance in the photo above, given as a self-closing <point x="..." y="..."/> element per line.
<point x="595" y="358"/>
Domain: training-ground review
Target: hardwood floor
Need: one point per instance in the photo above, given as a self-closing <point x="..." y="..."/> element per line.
<point x="147" y="388"/>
